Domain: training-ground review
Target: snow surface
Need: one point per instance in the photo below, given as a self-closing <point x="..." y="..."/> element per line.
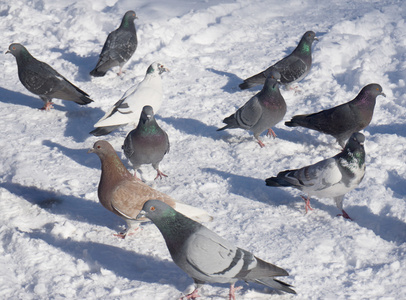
<point x="57" y="240"/>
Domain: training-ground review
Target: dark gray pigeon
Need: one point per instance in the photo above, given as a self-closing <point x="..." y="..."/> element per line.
<point x="292" y="68"/>
<point x="262" y="111"/>
<point x="42" y="80"/>
<point x="343" y="120"/>
<point x="147" y="143"/>
<point x="207" y="257"/>
<point x="329" y="178"/>
<point x="120" y="45"/>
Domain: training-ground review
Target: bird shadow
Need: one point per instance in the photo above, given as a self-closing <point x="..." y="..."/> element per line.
<point x="11" y="97"/>
<point x="253" y="188"/>
<point x="396" y="129"/>
<point x="80" y="122"/>
<point x="78" y="155"/>
<point x="84" y="64"/>
<point x="192" y="126"/>
<point x="124" y="263"/>
<point x="233" y="81"/>
<point x="73" y="208"/>
<point x="396" y="183"/>
<point x="390" y="229"/>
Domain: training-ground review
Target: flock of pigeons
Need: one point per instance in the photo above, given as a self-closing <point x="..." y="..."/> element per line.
<point x="200" y="252"/>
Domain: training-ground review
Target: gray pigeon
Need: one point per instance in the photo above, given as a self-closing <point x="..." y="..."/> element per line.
<point x="147" y="143"/>
<point x="120" y="45"/>
<point x="262" y="111"/>
<point x="343" y="120"/>
<point x="207" y="257"/>
<point x="124" y="195"/>
<point x="292" y="68"/>
<point x="329" y="178"/>
<point x="42" y="80"/>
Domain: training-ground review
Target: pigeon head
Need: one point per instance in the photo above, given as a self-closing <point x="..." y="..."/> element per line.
<point x="18" y="50"/>
<point x="273" y="79"/>
<point x="102" y="149"/>
<point x="147" y="114"/>
<point x="157" y="67"/>
<point x="372" y="90"/>
<point x="156" y="210"/>
<point x="306" y="42"/>
<point x="128" y="19"/>
<point x="354" y="151"/>
<point x="355" y="142"/>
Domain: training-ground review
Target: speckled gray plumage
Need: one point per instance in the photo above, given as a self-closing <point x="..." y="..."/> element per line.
<point x="42" y="80"/>
<point x="292" y="68"/>
<point x="120" y="45"/>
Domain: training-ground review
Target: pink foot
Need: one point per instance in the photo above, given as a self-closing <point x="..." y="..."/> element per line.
<point x="48" y="106"/>
<point x="271" y="133"/>
<point x="261" y="144"/>
<point x="122" y="235"/>
<point x="160" y="174"/>
<point x="192" y="295"/>
<point x="344" y="215"/>
<point x="231" y="294"/>
<point x="307" y="203"/>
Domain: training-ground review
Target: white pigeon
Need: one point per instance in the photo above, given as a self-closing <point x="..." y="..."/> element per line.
<point x="128" y="109"/>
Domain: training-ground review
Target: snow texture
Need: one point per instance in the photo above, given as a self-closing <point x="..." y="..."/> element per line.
<point x="57" y="240"/>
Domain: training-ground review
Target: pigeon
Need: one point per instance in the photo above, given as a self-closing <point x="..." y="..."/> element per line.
<point x="146" y="144"/>
<point x="330" y="178"/>
<point x="127" y="110"/>
<point x="262" y="111"/>
<point x="124" y="195"/>
<point x="292" y="68"/>
<point x="42" y="80"/>
<point x="207" y="257"/>
<point x="120" y="45"/>
<point x="343" y="120"/>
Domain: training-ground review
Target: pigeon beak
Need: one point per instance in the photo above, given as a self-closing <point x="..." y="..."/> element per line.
<point x="91" y="150"/>
<point x="8" y="51"/>
<point x="141" y="215"/>
<point x="383" y="94"/>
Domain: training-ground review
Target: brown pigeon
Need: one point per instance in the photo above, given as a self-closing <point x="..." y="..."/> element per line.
<point x="124" y="195"/>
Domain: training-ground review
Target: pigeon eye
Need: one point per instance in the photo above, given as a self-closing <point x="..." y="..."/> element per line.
<point x="98" y="147"/>
<point x="152" y="208"/>
<point x="14" y="48"/>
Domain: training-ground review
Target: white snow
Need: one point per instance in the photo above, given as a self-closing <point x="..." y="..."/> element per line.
<point x="57" y="240"/>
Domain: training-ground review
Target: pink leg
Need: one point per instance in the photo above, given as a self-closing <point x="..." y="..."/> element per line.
<point x="261" y="144"/>
<point x="344" y="215"/>
<point x="307" y="203"/>
<point x="231" y="294"/>
<point x="48" y="106"/>
<point x="122" y="235"/>
<point x="192" y="295"/>
<point x="135" y="175"/>
<point x="271" y="133"/>
<point x="160" y="174"/>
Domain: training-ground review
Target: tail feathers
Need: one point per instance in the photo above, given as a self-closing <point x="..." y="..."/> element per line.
<point x="194" y="213"/>
<point x="299" y="120"/>
<point x="104" y="130"/>
<point x="246" y="85"/>
<point x="97" y="73"/>
<point x="231" y="122"/>
<point x="277" y="181"/>
<point x="276" y="284"/>
<point x="253" y="81"/>
<point x="84" y="100"/>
